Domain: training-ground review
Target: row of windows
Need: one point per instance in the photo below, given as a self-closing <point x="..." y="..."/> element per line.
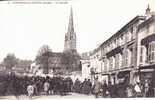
<point x="119" y="60"/>
<point x="147" y="54"/>
<point x="128" y="36"/>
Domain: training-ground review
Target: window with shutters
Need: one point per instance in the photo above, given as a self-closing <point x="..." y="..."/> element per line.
<point x="131" y="32"/>
<point x="141" y="54"/>
<point x="117" y="61"/>
<point x="151" y="52"/>
<point x="105" y="65"/>
<point x="120" y="60"/>
<point x="111" y="63"/>
<point x="126" y="37"/>
<point x="127" y="58"/>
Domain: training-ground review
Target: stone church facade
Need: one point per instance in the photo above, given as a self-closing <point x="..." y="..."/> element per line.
<point x="69" y="60"/>
<point x="64" y="63"/>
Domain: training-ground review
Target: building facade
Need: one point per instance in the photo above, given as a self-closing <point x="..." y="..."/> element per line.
<point x="122" y="56"/>
<point x="96" y="64"/>
<point x="85" y="62"/>
<point x="118" y="53"/>
<point x="146" y="48"/>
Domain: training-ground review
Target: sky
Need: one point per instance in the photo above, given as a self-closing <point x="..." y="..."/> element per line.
<point x="25" y="27"/>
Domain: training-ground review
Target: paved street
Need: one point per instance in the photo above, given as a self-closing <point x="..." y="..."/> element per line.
<point x="73" y="95"/>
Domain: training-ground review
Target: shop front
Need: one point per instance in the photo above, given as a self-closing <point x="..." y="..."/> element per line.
<point x="147" y="70"/>
<point x="124" y="77"/>
<point x="148" y="73"/>
<point x="105" y="78"/>
<point x="112" y="78"/>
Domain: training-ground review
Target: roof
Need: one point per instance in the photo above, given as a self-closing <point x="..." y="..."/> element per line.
<point x="133" y="21"/>
<point x="149" y="20"/>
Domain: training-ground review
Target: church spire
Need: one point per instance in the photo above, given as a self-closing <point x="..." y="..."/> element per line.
<point x="70" y="36"/>
<point x="71" y="25"/>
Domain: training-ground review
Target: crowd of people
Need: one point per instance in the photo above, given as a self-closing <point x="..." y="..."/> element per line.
<point x="13" y="85"/>
<point x="120" y="90"/>
<point x="31" y="86"/>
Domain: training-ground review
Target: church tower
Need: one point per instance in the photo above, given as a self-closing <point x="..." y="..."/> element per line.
<point x="70" y="36"/>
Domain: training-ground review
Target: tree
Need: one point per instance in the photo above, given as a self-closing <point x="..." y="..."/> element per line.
<point x="43" y="49"/>
<point x="43" y="56"/>
<point x="10" y="61"/>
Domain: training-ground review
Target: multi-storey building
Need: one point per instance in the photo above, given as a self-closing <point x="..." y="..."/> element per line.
<point x="146" y="47"/>
<point x="85" y="62"/>
<point x="118" y="52"/>
<point x="118" y="58"/>
<point x="95" y="64"/>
